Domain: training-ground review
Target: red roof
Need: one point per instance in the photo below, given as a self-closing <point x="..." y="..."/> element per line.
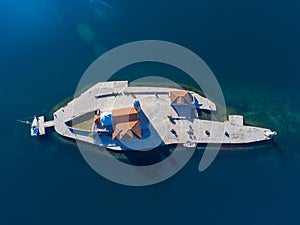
<point x="180" y="97"/>
<point x="127" y="129"/>
<point x="126" y="123"/>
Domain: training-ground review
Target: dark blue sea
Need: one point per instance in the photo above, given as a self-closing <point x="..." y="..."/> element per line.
<point x="253" y="48"/>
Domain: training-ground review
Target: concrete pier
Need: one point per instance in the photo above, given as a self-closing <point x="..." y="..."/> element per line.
<point x="44" y="124"/>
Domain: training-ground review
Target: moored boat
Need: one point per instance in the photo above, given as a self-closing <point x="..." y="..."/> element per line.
<point x="34" y="130"/>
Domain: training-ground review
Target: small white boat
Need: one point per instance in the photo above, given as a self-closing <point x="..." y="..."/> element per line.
<point x="189" y="144"/>
<point x="34" y="131"/>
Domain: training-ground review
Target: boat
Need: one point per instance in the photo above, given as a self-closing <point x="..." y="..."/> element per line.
<point x="34" y="130"/>
<point x="189" y="144"/>
<point x="120" y="117"/>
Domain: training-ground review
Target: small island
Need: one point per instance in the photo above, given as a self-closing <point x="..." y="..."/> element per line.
<point x="119" y="117"/>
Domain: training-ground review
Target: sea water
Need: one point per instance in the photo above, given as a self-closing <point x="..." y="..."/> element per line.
<point x="253" y="48"/>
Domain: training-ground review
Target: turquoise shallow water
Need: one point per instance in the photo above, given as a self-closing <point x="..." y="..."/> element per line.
<point x="253" y="49"/>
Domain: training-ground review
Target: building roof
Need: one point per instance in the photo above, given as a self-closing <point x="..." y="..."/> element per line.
<point x="180" y="97"/>
<point x="123" y="115"/>
<point x="127" y="130"/>
<point x="123" y="111"/>
<point x="126" y="123"/>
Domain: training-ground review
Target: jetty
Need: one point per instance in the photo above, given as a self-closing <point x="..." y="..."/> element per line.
<point x="44" y="124"/>
<point x="117" y="116"/>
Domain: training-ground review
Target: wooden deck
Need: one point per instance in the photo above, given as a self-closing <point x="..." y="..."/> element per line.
<point x="156" y="107"/>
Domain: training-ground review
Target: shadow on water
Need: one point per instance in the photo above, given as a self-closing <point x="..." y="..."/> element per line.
<point x="145" y="158"/>
<point x="150" y="157"/>
<point x="264" y="151"/>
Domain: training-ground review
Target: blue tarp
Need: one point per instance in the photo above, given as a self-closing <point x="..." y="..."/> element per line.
<point x="106" y="119"/>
